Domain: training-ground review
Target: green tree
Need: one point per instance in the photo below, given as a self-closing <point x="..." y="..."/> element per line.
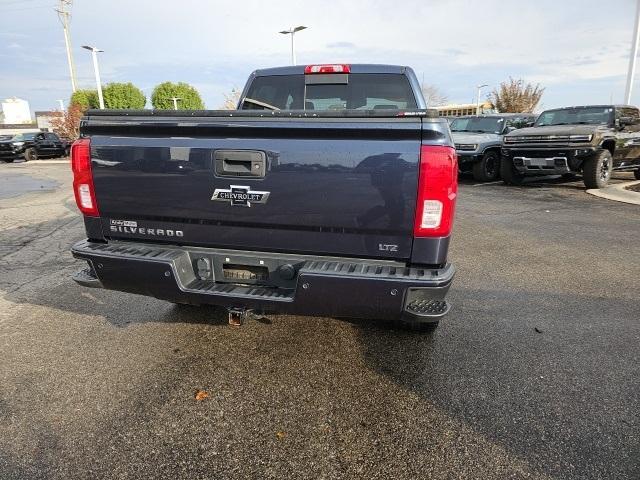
<point x="162" y="95"/>
<point x="85" y="99"/>
<point x="123" y="95"/>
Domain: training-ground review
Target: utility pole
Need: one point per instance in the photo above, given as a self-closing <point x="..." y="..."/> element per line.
<point x="175" y="102"/>
<point x="292" y="31"/>
<point x="480" y="87"/>
<point x="64" y="13"/>
<point x="632" y="59"/>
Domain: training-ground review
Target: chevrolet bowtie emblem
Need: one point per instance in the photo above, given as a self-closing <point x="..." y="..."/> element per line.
<point x="239" y="195"/>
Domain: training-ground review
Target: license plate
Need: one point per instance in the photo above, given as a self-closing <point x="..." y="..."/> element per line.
<point x="538" y="162"/>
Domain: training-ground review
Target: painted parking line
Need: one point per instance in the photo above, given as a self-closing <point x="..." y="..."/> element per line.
<point x="486" y="183"/>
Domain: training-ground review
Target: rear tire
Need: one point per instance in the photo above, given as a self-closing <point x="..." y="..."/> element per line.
<point x="30" y="154"/>
<point x="8" y="160"/>
<point x="509" y="174"/>
<point x="488" y="168"/>
<point x="636" y="173"/>
<point x="597" y="169"/>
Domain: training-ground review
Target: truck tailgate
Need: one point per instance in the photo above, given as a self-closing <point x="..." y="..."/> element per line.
<point x="344" y="186"/>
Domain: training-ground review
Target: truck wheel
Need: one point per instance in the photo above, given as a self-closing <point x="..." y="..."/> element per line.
<point x="596" y="170"/>
<point x="488" y="168"/>
<point x="509" y="174"/>
<point x="30" y="154"/>
<point x="636" y="173"/>
<point x="8" y="160"/>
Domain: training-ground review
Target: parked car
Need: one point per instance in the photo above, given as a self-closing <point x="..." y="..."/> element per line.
<point x="478" y="140"/>
<point x="593" y="140"/>
<point x="332" y="193"/>
<point x="31" y="146"/>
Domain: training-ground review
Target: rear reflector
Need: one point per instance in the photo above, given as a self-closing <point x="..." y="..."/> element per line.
<point x="82" y="177"/>
<point x="339" y="68"/>
<point x="437" y="191"/>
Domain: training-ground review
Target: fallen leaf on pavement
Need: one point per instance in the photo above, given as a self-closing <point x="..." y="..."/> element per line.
<point x="201" y="395"/>
<point x="281" y="434"/>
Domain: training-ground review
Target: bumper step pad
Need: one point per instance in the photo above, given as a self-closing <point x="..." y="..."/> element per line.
<point x="428" y="308"/>
<point x="87" y="278"/>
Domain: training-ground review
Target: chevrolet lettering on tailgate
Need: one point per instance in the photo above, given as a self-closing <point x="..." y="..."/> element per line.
<point x="240" y="195"/>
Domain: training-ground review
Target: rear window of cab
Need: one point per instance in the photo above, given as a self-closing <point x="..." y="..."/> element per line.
<point x="354" y="91"/>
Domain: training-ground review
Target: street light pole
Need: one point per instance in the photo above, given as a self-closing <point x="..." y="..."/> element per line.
<point x="94" y="53"/>
<point x="292" y="31"/>
<point x="632" y="59"/>
<point x="480" y="87"/>
<point x="63" y="15"/>
<point x="175" y="102"/>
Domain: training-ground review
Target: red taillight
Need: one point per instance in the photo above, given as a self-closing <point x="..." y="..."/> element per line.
<point x="82" y="178"/>
<point x="338" y="68"/>
<point x="437" y="191"/>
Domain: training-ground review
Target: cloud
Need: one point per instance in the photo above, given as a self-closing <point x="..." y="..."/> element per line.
<point x="341" y="45"/>
<point x="216" y="44"/>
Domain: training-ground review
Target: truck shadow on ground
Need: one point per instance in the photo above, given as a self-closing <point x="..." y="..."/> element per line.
<point x="549" y="389"/>
<point x="553" y="392"/>
<point x="561" y="398"/>
<point x="116" y="307"/>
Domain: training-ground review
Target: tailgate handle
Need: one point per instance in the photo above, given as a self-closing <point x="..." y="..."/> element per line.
<point x="240" y="163"/>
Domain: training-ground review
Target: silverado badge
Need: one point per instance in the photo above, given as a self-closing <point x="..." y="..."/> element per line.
<point x="239" y="195"/>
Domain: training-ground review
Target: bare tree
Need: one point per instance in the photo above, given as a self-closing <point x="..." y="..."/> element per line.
<point x="433" y="96"/>
<point x="231" y="100"/>
<point x="516" y="96"/>
<point x="67" y="124"/>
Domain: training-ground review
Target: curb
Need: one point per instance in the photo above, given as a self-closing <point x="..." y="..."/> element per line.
<point x="617" y="193"/>
<point x="45" y="162"/>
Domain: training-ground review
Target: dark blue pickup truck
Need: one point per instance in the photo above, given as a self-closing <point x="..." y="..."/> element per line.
<point x="330" y="191"/>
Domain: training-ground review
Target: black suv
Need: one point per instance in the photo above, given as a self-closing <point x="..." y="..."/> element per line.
<point x="593" y="140"/>
<point x="32" y="145"/>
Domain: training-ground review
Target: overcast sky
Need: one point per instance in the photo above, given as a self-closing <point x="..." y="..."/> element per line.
<point x="577" y="49"/>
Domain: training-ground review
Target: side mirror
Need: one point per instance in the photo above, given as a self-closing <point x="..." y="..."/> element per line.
<point x="529" y="124"/>
<point x="509" y="129"/>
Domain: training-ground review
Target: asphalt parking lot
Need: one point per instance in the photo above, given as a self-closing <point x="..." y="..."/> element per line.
<point x="534" y="374"/>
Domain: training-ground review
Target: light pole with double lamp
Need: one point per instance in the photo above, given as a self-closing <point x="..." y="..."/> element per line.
<point x="94" y="51"/>
<point x="479" y="87"/>
<point x="292" y="31"/>
<point x="175" y="102"/>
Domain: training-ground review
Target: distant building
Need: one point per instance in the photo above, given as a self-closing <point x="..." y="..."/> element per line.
<point x="43" y="119"/>
<point x="15" y="111"/>
<point x="8" y="129"/>
<point x="458" y="110"/>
